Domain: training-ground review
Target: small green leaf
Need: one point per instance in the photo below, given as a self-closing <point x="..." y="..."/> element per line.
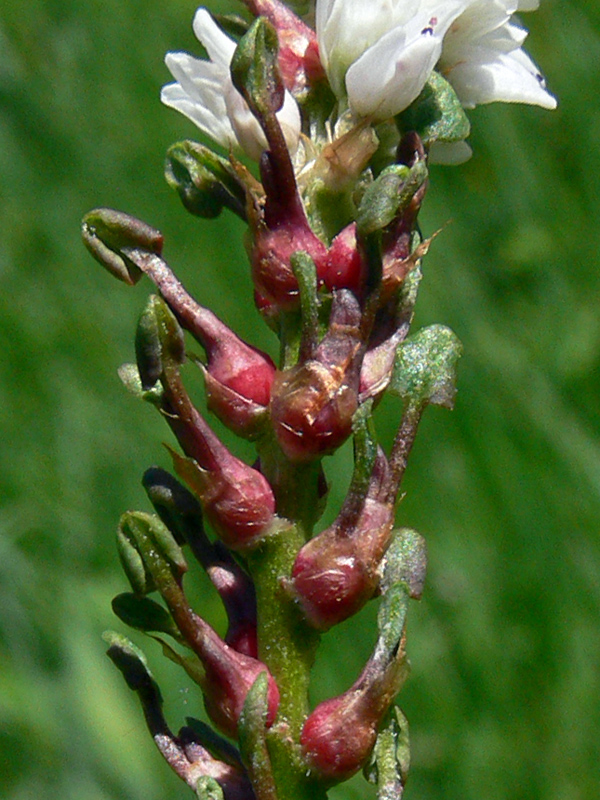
<point x="391" y="619"/>
<point x="425" y="367"/>
<point x="144" y="614"/>
<point x="405" y="562"/>
<point x="390" y="760"/>
<point x="208" y="789"/>
<point x="305" y="271"/>
<point x="159" y="554"/>
<point x="365" y="448"/>
<point x="437" y="114"/>
<point x="158" y="342"/>
<point x="254" y="68"/>
<point x="382" y="200"/>
<point x="252" y="738"/>
<point x="131" y="661"/>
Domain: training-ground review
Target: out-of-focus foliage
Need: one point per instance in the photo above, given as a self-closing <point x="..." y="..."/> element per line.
<point x="504" y="698"/>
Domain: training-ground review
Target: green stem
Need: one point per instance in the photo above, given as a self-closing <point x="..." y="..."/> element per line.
<point x="287" y="646"/>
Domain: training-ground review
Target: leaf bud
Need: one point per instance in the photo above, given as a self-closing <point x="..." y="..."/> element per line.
<point x="205" y="182"/>
<point x="141" y="538"/>
<point x="111" y="237"/>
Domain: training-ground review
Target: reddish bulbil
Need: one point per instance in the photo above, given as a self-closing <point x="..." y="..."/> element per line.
<point x="236" y="498"/>
<point x="345" y="265"/>
<point x="336" y="572"/>
<point x="337" y="738"/>
<point x="229" y="676"/>
<point x="313" y="403"/>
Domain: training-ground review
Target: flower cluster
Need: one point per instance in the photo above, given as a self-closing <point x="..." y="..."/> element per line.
<point x="378" y="57"/>
<point x="342" y="121"/>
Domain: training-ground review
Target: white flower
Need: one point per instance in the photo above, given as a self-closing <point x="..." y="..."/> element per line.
<point x="379" y="54"/>
<point x="483" y="60"/>
<point x="204" y="92"/>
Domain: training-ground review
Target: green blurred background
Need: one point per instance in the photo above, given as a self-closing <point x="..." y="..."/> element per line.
<point x="504" y="697"/>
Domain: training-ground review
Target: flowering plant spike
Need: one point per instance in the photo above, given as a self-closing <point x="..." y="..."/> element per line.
<point x="324" y="138"/>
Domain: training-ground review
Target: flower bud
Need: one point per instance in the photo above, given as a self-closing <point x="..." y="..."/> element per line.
<point x="242" y="416"/>
<point x="339" y="735"/>
<point x="337" y="571"/>
<point x="345" y="266"/>
<point x="113" y="236"/>
<point x="313" y="402"/>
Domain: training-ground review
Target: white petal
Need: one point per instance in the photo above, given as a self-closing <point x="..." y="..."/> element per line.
<point x="198" y="94"/>
<point x="391" y="74"/>
<point x="347" y="28"/>
<point x="247" y="130"/>
<point x="507" y="77"/>
<point x="219" y="46"/>
<point x="217" y="127"/>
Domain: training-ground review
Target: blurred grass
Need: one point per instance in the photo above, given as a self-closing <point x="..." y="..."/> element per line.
<point x="504" y="696"/>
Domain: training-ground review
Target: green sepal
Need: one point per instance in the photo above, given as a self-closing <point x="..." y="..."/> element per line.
<point x="131" y="661"/>
<point x="149" y="553"/>
<point x="205" y="182"/>
<point x="130" y="377"/>
<point x="110" y="235"/>
<point x="145" y="615"/>
<point x="255" y="71"/>
<point x="405" y="562"/>
<point x="437" y="114"/>
<point x="390" y="760"/>
<point x="208" y="789"/>
<point x="253" y="741"/>
<point x="159" y="342"/>
<point x="425" y="367"/>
